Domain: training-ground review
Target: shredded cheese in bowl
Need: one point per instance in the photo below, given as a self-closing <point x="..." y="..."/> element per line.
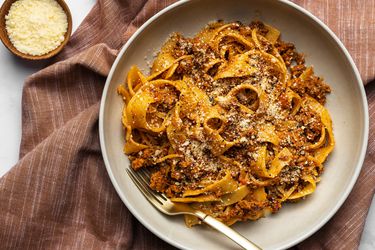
<point x="36" y="27"/>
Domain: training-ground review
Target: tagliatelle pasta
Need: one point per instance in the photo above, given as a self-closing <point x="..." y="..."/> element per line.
<point x="230" y="121"/>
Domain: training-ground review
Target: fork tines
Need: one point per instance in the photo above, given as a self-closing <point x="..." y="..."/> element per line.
<point x="141" y="179"/>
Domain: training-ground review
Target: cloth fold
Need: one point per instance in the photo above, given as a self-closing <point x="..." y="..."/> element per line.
<point x="59" y="196"/>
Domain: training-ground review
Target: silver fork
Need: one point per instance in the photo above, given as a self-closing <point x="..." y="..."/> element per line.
<point x="163" y="204"/>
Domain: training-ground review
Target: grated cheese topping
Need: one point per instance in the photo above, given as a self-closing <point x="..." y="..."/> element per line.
<point x="36" y="27"/>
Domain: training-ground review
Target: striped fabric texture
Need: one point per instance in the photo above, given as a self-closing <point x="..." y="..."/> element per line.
<point x="59" y="196"/>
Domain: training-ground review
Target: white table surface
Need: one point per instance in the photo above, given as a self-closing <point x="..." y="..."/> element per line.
<point x="13" y="72"/>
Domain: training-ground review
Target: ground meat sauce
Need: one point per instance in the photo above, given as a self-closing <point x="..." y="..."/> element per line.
<point x="313" y="86"/>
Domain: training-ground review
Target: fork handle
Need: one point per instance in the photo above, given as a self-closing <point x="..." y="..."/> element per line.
<point x="230" y="233"/>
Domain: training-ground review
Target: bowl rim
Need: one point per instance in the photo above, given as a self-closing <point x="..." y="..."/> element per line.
<point x="9" y="45"/>
<point x="358" y="82"/>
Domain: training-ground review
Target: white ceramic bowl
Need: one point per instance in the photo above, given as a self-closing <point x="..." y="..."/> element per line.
<point x="347" y="105"/>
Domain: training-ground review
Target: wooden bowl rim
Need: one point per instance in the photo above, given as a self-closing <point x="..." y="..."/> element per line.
<point x="8" y="44"/>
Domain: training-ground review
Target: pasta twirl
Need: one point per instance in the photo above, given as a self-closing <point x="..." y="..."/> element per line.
<point x="230" y="121"/>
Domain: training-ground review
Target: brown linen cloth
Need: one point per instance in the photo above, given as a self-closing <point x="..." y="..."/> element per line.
<point x="59" y="196"/>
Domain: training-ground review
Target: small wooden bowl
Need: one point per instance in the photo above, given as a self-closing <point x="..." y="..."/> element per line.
<point x="6" y="41"/>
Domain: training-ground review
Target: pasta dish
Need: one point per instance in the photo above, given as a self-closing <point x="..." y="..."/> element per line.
<point x="230" y="121"/>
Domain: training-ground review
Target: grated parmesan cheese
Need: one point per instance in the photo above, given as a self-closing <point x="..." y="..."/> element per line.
<point x="36" y="27"/>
